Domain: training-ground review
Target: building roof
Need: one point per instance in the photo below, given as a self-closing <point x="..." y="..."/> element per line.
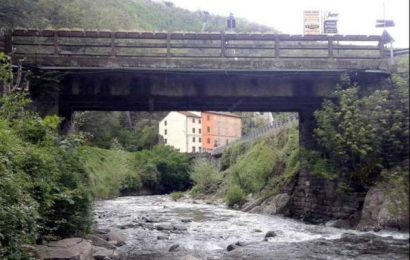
<point x="223" y="113"/>
<point x="189" y="114"/>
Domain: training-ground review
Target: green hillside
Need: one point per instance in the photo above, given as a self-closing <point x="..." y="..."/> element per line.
<point x="143" y="15"/>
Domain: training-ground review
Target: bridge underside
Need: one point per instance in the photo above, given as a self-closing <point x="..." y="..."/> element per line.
<point x="274" y="91"/>
<point x="213" y="90"/>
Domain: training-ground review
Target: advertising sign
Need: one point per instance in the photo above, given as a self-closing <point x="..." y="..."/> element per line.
<point x="311" y="22"/>
<point x="330" y="23"/>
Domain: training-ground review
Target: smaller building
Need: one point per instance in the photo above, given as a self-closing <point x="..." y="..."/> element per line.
<point x="220" y="128"/>
<point x="183" y="131"/>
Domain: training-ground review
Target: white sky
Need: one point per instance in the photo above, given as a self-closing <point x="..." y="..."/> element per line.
<point x="355" y="16"/>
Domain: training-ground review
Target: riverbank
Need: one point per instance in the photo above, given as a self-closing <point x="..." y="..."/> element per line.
<point x="155" y="227"/>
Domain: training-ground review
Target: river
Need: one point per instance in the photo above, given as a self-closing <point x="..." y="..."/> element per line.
<point x="156" y="225"/>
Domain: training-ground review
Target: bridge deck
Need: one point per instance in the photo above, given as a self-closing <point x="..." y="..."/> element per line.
<point x="70" y="49"/>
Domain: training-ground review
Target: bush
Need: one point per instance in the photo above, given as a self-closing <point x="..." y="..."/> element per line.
<point x="177" y="195"/>
<point x="44" y="193"/>
<point x="205" y="176"/>
<point x="235" y="196"/>
<point x="361" y="135"/>
<point x="163" y="169"/>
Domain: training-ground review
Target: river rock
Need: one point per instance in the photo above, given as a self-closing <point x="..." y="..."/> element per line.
<point x="174" y="248"/>
<point x="385" y="208"/>
<point x="66" y="249"/>
<point x="129" y="225"/>
<point x="278" y="204"/>
<point x="116" y="238"/>
<point x="100" y="242"/>
<point x="235" y="245"/>
<point x="101" y="253"/>
<point x="270" y="234"/>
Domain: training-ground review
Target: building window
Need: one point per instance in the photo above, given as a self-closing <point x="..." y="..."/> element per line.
<point x="193" y="120"/>
<point x="165" y="122"/>
<point x="193" y="139"/>
<point x="200" y="140"/>
<point x="216" y="143"/>
<point x="193" y="130"/>
<point x="208" y="129"/>
<point x="199" y="120"/>
<point x="208" y="141"/>
<point x="193" y="149"/>
<point x="165" y="141"/>
<point x="165" y="132"/>
<point x="227" y="141"/>
<point x="208" y="117"/>
<point x="199" y="130"/>
<point x="199" y="149"/>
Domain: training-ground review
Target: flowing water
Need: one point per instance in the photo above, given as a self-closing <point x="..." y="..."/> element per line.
<point x="154" y="224"/>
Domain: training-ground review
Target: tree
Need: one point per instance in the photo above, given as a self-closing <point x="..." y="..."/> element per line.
<point x="363" y="135"/>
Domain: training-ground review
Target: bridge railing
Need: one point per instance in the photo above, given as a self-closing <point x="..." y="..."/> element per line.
<point x="192" y="45"/>
<point x="275" y="127"/>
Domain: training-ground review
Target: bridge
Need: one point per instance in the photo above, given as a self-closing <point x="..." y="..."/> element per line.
<point x="157" y="71"/>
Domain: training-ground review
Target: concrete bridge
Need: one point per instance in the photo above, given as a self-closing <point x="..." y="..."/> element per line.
<point x="147" y="71"/>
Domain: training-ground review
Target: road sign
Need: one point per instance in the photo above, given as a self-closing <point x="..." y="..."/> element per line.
<point x="330" y="26"/>
<point x="385" y="23"/>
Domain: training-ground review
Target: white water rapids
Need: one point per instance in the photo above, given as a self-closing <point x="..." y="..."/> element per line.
<point x="205" y="230"/>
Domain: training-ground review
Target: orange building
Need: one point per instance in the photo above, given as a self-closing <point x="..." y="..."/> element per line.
<point x="219" y="128"/>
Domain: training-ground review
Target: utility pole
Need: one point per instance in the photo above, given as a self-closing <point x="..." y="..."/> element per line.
<point x="386" y="36"/>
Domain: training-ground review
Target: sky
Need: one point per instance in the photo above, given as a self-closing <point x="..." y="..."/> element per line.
<point x="355" y="16"/>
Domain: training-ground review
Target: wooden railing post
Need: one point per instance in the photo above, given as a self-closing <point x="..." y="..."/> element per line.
<point x="330" y="48"/>
<point x="168" y="44"/>
<point x="113" y="49"/>
<point x="223" y="45"/>
<point x="55" y="41"/>
<point x="277" y="47"/>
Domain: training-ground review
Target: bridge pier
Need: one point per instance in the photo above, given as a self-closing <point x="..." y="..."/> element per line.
<point x="66" y="114"/>
<point x="307" y="124"/>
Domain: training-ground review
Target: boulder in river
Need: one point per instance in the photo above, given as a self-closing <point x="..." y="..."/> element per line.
<point x="66" y="249"/>
<point x="270" y="234"/>
<point x="385" y="208"/>
<point x="174" y="248"/>
<point x="101" y="253"/>
<point x="116" y="238"/>
<point x="100" y="242"/>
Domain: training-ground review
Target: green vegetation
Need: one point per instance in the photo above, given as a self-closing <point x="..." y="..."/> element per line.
<point x="113" y="15"/>
<point x="205" y="177"/>
<point x="268" y="165"/>
<point x="131" y="131"/>
<point x="235" y="196"/>
<point x="175" y="196"/>
<point x="162" y="169"/>
<point x="362" y="135"/>
<point x="116" y="172"/>
<point x="111" y="171"/>
<point x="263" y="169"/>
<point x="44" y="192"/>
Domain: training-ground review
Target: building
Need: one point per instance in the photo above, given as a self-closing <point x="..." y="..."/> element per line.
<point x="219" y="128"/>
<point x="193" y="132"/>
<point x="183" y="131"/>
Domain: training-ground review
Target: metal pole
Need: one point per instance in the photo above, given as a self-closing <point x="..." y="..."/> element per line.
<point x="391" y="54"/>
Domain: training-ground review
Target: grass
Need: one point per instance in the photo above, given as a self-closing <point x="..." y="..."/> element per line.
<point x="106" y="169"/>
<point x="268" y="165"/>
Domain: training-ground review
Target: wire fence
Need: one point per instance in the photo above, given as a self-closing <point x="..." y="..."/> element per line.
<point x="276" y="126"/>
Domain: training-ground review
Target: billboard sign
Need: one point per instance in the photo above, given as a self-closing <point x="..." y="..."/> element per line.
<point x="330" y="22"/>
<point x="312" y="22"/>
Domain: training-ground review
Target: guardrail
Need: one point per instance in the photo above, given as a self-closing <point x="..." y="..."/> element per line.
<point x="256" y="134"/>
<point x="192" y="45"/>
